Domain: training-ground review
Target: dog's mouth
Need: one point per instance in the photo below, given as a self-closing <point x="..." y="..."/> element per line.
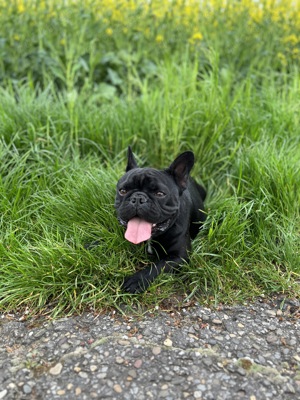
<point x="138" y="230"/>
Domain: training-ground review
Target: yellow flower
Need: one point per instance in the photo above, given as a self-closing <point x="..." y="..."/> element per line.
<point x="282" y="59"/>
<point x="159" y="38"/>
<point x="109" y="31"/>
<point x="295" y="53"/>
<point x="16" y="37"/>
<point x="197" y="36"/>
<point x="21" y="7"/>
<point x="292" y="39"/>
<point x="256" y="14"/>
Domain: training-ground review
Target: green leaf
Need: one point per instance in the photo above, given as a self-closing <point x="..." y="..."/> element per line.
<point x="114" y="77"/>
<point x="106" y="91"/>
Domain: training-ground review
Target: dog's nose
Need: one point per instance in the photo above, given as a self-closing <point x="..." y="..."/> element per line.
<point x="138" y="198"/>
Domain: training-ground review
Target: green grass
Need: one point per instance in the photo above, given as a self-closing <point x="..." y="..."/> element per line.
<point x="63" y="148"/>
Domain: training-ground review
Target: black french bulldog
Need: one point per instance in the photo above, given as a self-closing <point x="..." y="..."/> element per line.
<point x="165" y="206"/>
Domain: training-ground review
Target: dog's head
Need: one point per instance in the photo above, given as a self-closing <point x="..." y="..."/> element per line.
<point x="147" y="200"/>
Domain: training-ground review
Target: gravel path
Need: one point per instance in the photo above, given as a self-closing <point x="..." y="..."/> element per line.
<point x="241" y="352"/>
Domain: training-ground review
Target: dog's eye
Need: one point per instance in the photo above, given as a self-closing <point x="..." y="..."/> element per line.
<point x="122" y="192"/>
<point x="160" y="194"/>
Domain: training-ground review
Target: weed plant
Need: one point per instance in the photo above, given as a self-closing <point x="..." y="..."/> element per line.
<point x="83" y="80"/>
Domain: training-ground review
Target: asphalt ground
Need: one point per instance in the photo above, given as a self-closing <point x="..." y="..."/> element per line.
<point x="248" y="351"/>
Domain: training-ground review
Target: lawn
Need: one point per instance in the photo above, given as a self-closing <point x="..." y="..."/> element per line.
<point x="82" y="80"/>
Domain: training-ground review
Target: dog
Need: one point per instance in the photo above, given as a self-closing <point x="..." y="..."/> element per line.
<point x="164" y="207"/>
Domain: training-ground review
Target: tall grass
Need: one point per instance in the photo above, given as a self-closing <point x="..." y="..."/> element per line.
<point x="73" y="103"/>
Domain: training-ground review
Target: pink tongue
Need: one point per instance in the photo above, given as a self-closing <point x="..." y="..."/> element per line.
<point x="138" y="230"/>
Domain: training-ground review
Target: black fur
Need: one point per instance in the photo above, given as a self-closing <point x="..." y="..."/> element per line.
<point x="172" y="201"/>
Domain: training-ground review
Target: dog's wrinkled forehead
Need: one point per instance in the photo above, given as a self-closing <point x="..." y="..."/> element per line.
<point x="142" y="178"/>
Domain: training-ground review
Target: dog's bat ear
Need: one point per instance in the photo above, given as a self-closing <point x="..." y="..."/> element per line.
<point x="131" y="163"/>
<point x="181" y="167"/>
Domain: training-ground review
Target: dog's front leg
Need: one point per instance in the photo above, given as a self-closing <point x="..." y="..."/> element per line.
<point x="141" y="280"/>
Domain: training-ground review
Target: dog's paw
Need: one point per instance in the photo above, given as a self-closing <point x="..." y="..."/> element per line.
<point x="138" y="282"/>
